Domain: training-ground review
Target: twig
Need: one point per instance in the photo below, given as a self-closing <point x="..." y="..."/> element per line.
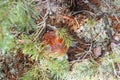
<point x="41" y="26"/>
<point x="52" y="27"/>
<point x="88" y="52"/>
<point x="77" y="12"/>
<point x="90" y="48"/>
<point x="77" y="22"/>
<point x="49" y="7"/>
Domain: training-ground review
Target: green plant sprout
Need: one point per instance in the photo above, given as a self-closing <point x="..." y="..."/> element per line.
<point x="64" y="35"/>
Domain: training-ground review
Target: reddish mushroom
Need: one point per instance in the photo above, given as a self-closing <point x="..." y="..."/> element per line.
<point x="56" y="46"/>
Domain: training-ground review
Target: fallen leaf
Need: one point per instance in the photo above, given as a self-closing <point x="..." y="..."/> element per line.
<point x="97" y="51"/>
<point x="116" y="37"/>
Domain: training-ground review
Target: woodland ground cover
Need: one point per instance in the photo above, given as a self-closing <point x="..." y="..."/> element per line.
<point x="59" y="39"/>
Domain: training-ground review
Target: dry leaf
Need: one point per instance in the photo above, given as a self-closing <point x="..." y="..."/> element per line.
<point x="116" y="37"/>
<point x="97" y="51"/>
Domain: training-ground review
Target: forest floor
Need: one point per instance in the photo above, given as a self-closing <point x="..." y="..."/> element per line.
<point x="93" y="25"/>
